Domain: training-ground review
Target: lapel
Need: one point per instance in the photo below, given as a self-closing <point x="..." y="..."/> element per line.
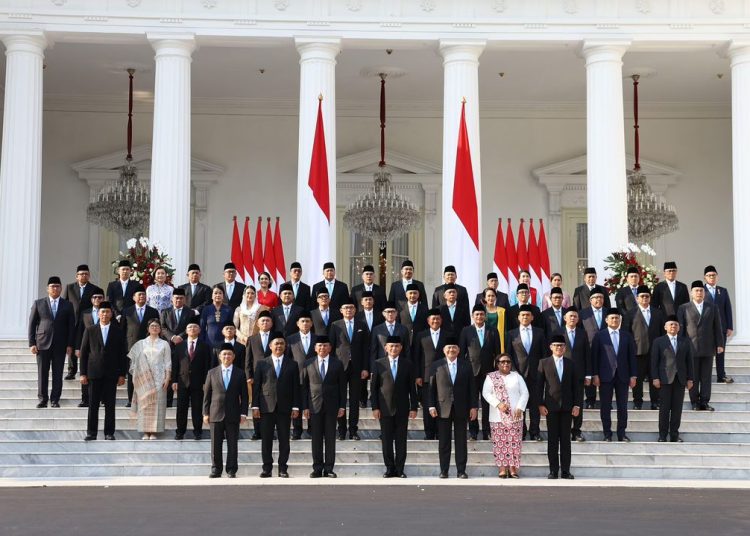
<point x="49" y="307"/>
<point x="99" y="334"/>
<point x="553" y="370"/>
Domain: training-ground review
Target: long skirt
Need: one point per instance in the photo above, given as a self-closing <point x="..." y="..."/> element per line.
<point x="151" y="413"/>
<point x="506" y="443"/>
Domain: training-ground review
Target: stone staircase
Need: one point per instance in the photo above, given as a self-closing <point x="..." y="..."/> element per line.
<point x="48" y="443"/>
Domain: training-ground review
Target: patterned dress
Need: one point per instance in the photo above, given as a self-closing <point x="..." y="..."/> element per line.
<point x="244" y="320"/>
<point x="159" y="296"/>
<point x="508" y="431"/>
<point x="150" y="365"/>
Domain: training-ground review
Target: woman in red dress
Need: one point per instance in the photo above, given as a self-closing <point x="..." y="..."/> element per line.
<point x="266" y="296"/>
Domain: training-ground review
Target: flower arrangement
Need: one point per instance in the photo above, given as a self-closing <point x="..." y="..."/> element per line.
<point x="145" y="256"/>
<point x="622" y="259"/>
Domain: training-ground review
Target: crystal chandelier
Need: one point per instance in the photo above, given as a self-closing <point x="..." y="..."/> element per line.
<point x="123" y="206"/>
<point x="381" y="214"/>
<point x="649" y="215"/>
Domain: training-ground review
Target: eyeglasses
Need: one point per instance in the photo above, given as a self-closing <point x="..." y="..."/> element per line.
<point x="505" y="362"/>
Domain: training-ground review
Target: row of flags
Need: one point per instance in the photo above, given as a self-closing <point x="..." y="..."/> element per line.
<point x="511" y="257"/>
<point x="251" y="262"/>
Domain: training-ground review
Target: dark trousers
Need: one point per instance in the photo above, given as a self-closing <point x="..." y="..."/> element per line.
<point x="393" y="432"/>
<point x="363" y="392"/>
<point x="474" y="425"/>
<point x="721" y="373"/>
<point x="354" y="381"/>
<point x="590" y="394"/>
<point x="102" y="390"/>
<point x="220" y="430"/>
<point x="189" y="396"/>
<point x="670" y="411"/>
<point x="533" y="410"/>
<point x="577" y="421"/>
<point x="701" y="392"/>
<point x="131" y="387"/>
<point x="268" y="423"/>
<point x="44" y="360"/>
<point x="72" y="363"/>
<point x="430" y="426"/>
<point x="643" y="363"/>
<point x="170" y="398"/>
<point x="323" y="430"/>
<point x="458" y="425"/>
<point x="620" y="389"/>
<point x="558" y="440"/>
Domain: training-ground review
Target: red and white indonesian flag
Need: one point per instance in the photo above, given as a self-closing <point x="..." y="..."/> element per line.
<point x="236" y="254"/>
<point x="278" y="253"/>
<point x="544" y="258"/>
<point x="500" y="259"/>
<point x="535" y="264"/>
<point x="247" y="254"/>
<point x="269" y="256"/>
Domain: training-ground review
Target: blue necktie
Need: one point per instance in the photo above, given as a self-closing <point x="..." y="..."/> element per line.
<point x="54" y="309"/>
<point x="480" y="334"/>
<point x="349" y="329"/>
<point x="140" y="314"/>
<point x="277" y="364"/>
<point x="413" y="311"/>
<point x="616" y="341"/>
<point x="635" y="292"/>
<point x="96" y="316"/>
<point x="323" y="370"/>
<point x="572" y="337"/>
<point x="559" y="365"/>
<point x="226" y="379"/>
<point x="394" y="366"/>
<point x="452" y="310"/>
<point x="559" y="317"/>
<point x="325" y="317"/>
<point x="526" y="340"/>
<point x="453" y="371"/>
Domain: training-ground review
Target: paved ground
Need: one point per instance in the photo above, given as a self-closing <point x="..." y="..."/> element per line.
<point x="360" y="510"/>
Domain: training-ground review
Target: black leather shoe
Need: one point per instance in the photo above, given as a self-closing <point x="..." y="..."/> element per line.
<point x="580" y="438"/>
<point x="462" y="476"/>
<point x="329" y="474"/>
<point x="70" y="376"/>
<point x="589" y="405"/>
<point x="342" y="437"/>
<point x="695" y="407"/>
<point x="296" y="437"/>
<point x="608" y="439"/>
<point x="638" y="405"/>
<point x="109" y="437"/>
<point x="214" y="475"/>
<point x="676" y="439"/>
<point x="363" y="405"/>
<point x="706" y="407"/>
<point x="255" y="437"/>
<point x="316" y="474"/>
<point x="402" y="475"/>
<point x="265" y="474"/>
<point x="389" y="474"/>
<point x="42" y="404"/>
<point x="538" y="437"/>
<point x="472" y="437"/>
<point x="128" y="405"/>
<point x="654" y="406"/>
<point x="485" y="437"/>
<point x="90" y="438"/>
<point x="283" y="473"/>
<point x="567" y="476"/>
<point x="552" y="476"/>
<point x="83" y="404"/>
<point x="624" y="438"/>
<point x="355" y="436"/>
<point x="197" y="436"/>
<point x="443" y="475"/>
<point x="179" y="437"/>
<point x="429" y="438"/>
<point x="728" y="379"/>
<point x="55" y="404"/>
<point x="662" y="440"/>
<point x="231" y="475"/>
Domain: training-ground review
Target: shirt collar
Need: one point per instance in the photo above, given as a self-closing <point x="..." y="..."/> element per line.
<point x="611" y="331"/>
<point x="229" y="368"/>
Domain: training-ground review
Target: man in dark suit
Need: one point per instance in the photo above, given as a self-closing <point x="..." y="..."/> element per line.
<point x="560" y="398"/>
<point x="452" y="401"/>
<point x="493" y="283"/>
<point x="79" y="295"/>
<point x="302" y="296"/>
<point x="592" y="320"/>
<point x="324" y="315"/>
<point x="553" y="320"/>
<point x="397" y="293"/>
<point x="719" y="296"/>
<point x="582" y="294"/>
<point x="120" y="292"/>
<point x="394" y="402"/>
<point x="276" y="401"/>
<point x="230" y="337"/>
<point x="456" y="316"/>
<point x="578" y="350"/>
<point x="134" y="323"/>
<point x="523" y="295"/>
<point x="368" y="284"/>
<point x="191" y="361"/>
<point x="286" y="314"/>
<point x="324" y="401"/>
<point x="225" y="403"/>
<point x="669" y="293"/>
<point x="426" y="349"/>
<point x="103" y="367"/>
<point x="413" y="313"/>
<point x="626" y="298"/>
<point x="479" y="346"/>
<point x="700" y="322"/>
<point x="300" y="347"/>
<point x="338" y="291"/>
<point x="350" y="346"/>
<point x="197" y="294"/>
<point x="671" y="371"/>
<point x="614" y="371"/>
<point x="258" y="348"/>
<point x="89" y="317"/>
<point x="526" y="345"/>
<point x="233" y="290"/>
<point x="449" y="279"/>
<point x="174" y="321"/>
<point x="51" y="337"/>
<point x="381" y="333"/>
<point x="644" y="323"/>
<point x="368" y="317"/>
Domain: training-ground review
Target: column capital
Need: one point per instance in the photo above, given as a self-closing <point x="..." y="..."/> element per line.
<point x="166" y="44"/>
<point x="461" y="49"/>
<point x="322" y="48"/>
<point x="737" y="50"/>
<point x="34" y="42"/>
<point x="595" y="50"/>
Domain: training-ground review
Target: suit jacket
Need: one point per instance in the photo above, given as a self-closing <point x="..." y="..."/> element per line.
<point x="603" y="357"/>
<point x="393" y="396"/>
<point x="705" y="331"/>
<point x="86" y="321"/>
<point x="200" y="299"/>
<point x="187" y="372"/>
<point x="480" y="357"/>
<point x="588" y="321"/>
<point x="666" y="366"/>
<point x="47" y="332"/>
<point x="169" y="324"/>
<point x="579" y="352"/>
<point x="104" y="361"/>
<point x="461" y="318"/>
<point x="635" y="324"/>
<point x="377" y="318"/>
<point x="438" y="296"/>
<point x="502" y="299"/>
<point x="526" y="363"/>
<point x="280" y="323"/>
<point x="134" y="329"/>
<point x="323" y="394"/>
<point x="444" y="395"/>
<point x="354" y="353"/>
<point x="723" y="304"/>
<point x="296" y="350"/>
<point x="303" y="297"/>
<point x="414" y="326"/>
<point x="425" y="353"/>
<point x="236" y="300"/>
<point x="380" y="336"/>
<point x="80" y="303"/>
<point x="272" y="393"/>
<point x="119" y="300"/>
<point x="319" y="327"/>
<point x="240" y="355"/>
<point x="582" y="296"/>
<point x="255" y="353"/>
<point x="625" y="300"/>
<point x="550" y="324"/>
<point x="221" y="403"/>
<point x="512" y="317"/>
<point x="662" y="297"/>
<point x="339" y="295"/>
<point x="397" y="293"/>
<point x="378" y="294"/>
<point x="554" y="394"/>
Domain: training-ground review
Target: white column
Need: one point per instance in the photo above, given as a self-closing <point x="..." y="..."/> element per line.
<point x="170" y="158"/>
<point x="460" y="80"/>
<point x="317" y="77"/>
<point x="606" y="181"/>
<point x="21" y="182"/>
<point x="739" y="53"/>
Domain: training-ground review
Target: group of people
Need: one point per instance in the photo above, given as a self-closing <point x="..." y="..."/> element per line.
<point x="230" y="352"/>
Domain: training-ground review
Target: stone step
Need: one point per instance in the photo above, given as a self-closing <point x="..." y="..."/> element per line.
<point x="15" y="343"/>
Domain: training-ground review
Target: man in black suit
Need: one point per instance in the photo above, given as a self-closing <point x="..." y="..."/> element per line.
<point x="233" y="290"/>
<point x="644" y="323"/>
<point x="614" y="370"/>
<point x="626" y="298"/>
<point x="191" y="361"/>
<point x="523" y="296"/>
<point x="456" y="316"/>
<point x="592" y="320"/>
<point x="174" y="321"/>
<point x="230" y="337"/>
<point x="323" y="400"/>
<point x="452" y="401"/>
<point x="368" y="284"/>
<point x="719" y="296"/>
<point x="394" y="402"/>
<point x="324" y="315"/>
<point x="367" y="313"/>
<point x="51" y="337"/>
<point x="502" y="298"/>
<point x="669" y="293"/>
<point x="225" y="403"/>
<point x="700" y="322"/>
<point x="397" y="294"/>
<point x="582" y="294"/>
<point x="671" y="371"/>
<point x="300" y="347"/>
<point x="560" y="398"/>
<point x="350" y="346"/>
<point x="197" y="294"/>
<point x="526" y="345"/>
<point x="449" y="279"/>
<point x="578" y="350"/>
<point x="104" y="364"/>
<point x="79" y="295"/>
<point x="479" y="346"/>
<point x="552" y="317"/>
<point x="338" y="291"/>
<point x="302" y="296"/>
<point x="426" y="349"/>
<point x="89" y="317"/>
<point x="381" y="333"/>
<point x="276" y="401"/>
<point x="120" y="292"/>
<point x="258" y="348"/>
<point x="413" y="313"/>
<point x="286" y="314"/>
<point x="134" y="323"/>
